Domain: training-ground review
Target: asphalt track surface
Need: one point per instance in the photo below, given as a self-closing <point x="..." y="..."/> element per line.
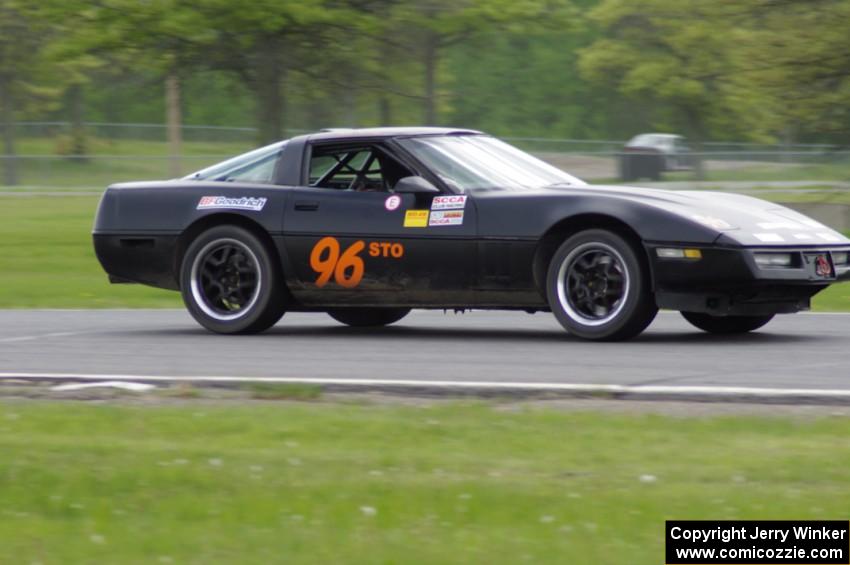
<point x="801" y="351"/>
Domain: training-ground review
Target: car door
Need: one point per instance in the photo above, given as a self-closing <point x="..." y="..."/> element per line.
<point x="350" y="241"/>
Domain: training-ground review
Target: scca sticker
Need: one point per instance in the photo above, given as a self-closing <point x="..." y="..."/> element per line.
<point x="453" y="202"/>
<point x="346" y="268"/>
<point x="446" y="218"/>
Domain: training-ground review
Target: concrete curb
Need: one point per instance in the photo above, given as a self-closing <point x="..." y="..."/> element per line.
<point x="480" y="389"/>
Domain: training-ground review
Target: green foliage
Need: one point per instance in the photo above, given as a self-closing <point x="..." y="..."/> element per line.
<point x="678" y="55"/>
<point x="762" y="70"/>
<point x="799" y="54"/>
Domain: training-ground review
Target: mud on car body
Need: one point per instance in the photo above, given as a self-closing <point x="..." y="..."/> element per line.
<point x="368" y="224"/>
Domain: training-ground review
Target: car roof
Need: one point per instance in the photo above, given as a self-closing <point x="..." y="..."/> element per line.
<point x="652" y="137"/>
<point x="342" y="134"/>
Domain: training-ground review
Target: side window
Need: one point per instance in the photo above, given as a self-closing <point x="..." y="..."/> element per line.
<point x="256" y="166"/>
<point x="261" y="171"/>
<point x="365" y="169"/>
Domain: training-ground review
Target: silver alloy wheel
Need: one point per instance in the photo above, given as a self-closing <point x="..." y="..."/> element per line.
<point x="593" y="284"/>
<point x="229" y="267"/>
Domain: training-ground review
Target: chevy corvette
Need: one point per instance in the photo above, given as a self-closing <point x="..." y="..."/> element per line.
<point x="366" y="224"/>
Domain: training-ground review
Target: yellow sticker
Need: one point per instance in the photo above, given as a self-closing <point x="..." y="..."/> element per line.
<point x="416" y="219"/>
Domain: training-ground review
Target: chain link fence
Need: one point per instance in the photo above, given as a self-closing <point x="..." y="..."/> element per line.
<point x="54" y="156"/>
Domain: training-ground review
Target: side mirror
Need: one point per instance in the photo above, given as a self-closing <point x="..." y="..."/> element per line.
<point x="414" y="185"/>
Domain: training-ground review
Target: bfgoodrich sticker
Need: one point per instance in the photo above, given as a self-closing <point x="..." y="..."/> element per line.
<point x="243" y="203"/>
<point x="446" y="218"/>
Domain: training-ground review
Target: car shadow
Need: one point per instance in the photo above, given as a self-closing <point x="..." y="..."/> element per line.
<point x="405" y="333"/>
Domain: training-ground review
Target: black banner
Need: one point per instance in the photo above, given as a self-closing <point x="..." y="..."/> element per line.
<point x="760" y="542"/>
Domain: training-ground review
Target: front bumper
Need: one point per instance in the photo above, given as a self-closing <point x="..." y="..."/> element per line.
<point x="729" y="281"/>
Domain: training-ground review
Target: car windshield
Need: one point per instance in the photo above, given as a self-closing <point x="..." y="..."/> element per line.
<point x="479" y="162"/>
<point x="254" y="166"/>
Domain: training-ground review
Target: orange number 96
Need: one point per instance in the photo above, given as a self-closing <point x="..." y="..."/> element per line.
<point x="346" y="270"/>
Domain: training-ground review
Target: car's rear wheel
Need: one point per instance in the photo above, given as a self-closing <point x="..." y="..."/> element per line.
<point x="726" y="324"/>
<point x="231" y="283"/>
<point x="598" y="287"/>
<point x="368" y="317"/>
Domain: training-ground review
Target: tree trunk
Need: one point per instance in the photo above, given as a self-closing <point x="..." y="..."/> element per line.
<point x="78" y="147"/>
<point x="350" y="101"/>
<point x="174" y="123"/>
<point x="7" y="123"/>
<point x="696" y="135"/>
<point x="268" y="82"/>
<point x="385" y="110"/>
<point x="699" y="166"/>
<point x="430" y="58"/>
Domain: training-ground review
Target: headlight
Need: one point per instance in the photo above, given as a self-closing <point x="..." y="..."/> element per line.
<point x="776" y="260"/>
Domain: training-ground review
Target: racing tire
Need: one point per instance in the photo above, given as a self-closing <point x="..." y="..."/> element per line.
<point x="231" y="282"/>
<point x="726" y="324"/>
<point x="368" y="317"/>
<point x="598" y="286"/>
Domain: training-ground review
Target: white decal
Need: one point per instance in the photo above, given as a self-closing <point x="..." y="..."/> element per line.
<point x="392" y="202"/>
<point x="454" y="202"/>
<point x="769" y="237"/>
<point x="446" y="218"/>
<point x="828" y="236"/>
<point x="712" y="222"/>
<point x="243" y="203"/>
<point x="803" y="236"/>
<point x="780" y="226"/>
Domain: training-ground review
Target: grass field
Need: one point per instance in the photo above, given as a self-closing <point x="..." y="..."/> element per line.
<point x="839" y="170"/>
<point x="341" y="483"/>
<point x="48" y="261"/>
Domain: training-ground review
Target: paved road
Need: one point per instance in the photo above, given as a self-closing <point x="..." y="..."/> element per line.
<point x="803" y="350"/>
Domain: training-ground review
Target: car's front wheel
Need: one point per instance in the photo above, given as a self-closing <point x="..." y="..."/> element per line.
<point x="368" y="317"/>
<point x="598" y="287"/>
<point x="230" y="282"/>
<point x="726" y="324"/>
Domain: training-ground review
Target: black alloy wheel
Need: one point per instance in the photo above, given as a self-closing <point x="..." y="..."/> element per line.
<point x="230" y="282"/>
<point x="598" y="287"/>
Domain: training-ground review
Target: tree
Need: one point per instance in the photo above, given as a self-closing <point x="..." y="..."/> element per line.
<point x="799" y="53"/>
<point x="427" y="29"/>
<point x="160" y="35"/>
<point x="680" y="56"/>
<point x="264" y="42"/>
<point x="23" y="32"/>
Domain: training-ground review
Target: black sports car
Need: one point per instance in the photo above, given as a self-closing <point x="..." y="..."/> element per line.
<point x="365" y="224"/>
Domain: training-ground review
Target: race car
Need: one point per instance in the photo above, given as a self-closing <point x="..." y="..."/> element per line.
<point x="367" y="224"/>
<point x="649" y="154"/>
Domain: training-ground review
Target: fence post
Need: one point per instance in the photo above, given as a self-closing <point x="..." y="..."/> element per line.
<point x="173" y="119"/>
<point x="7" y="123"/>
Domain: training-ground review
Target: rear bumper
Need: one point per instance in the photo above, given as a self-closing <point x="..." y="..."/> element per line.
<point x="728" y="281"/>
<point x="145" y="259"/>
